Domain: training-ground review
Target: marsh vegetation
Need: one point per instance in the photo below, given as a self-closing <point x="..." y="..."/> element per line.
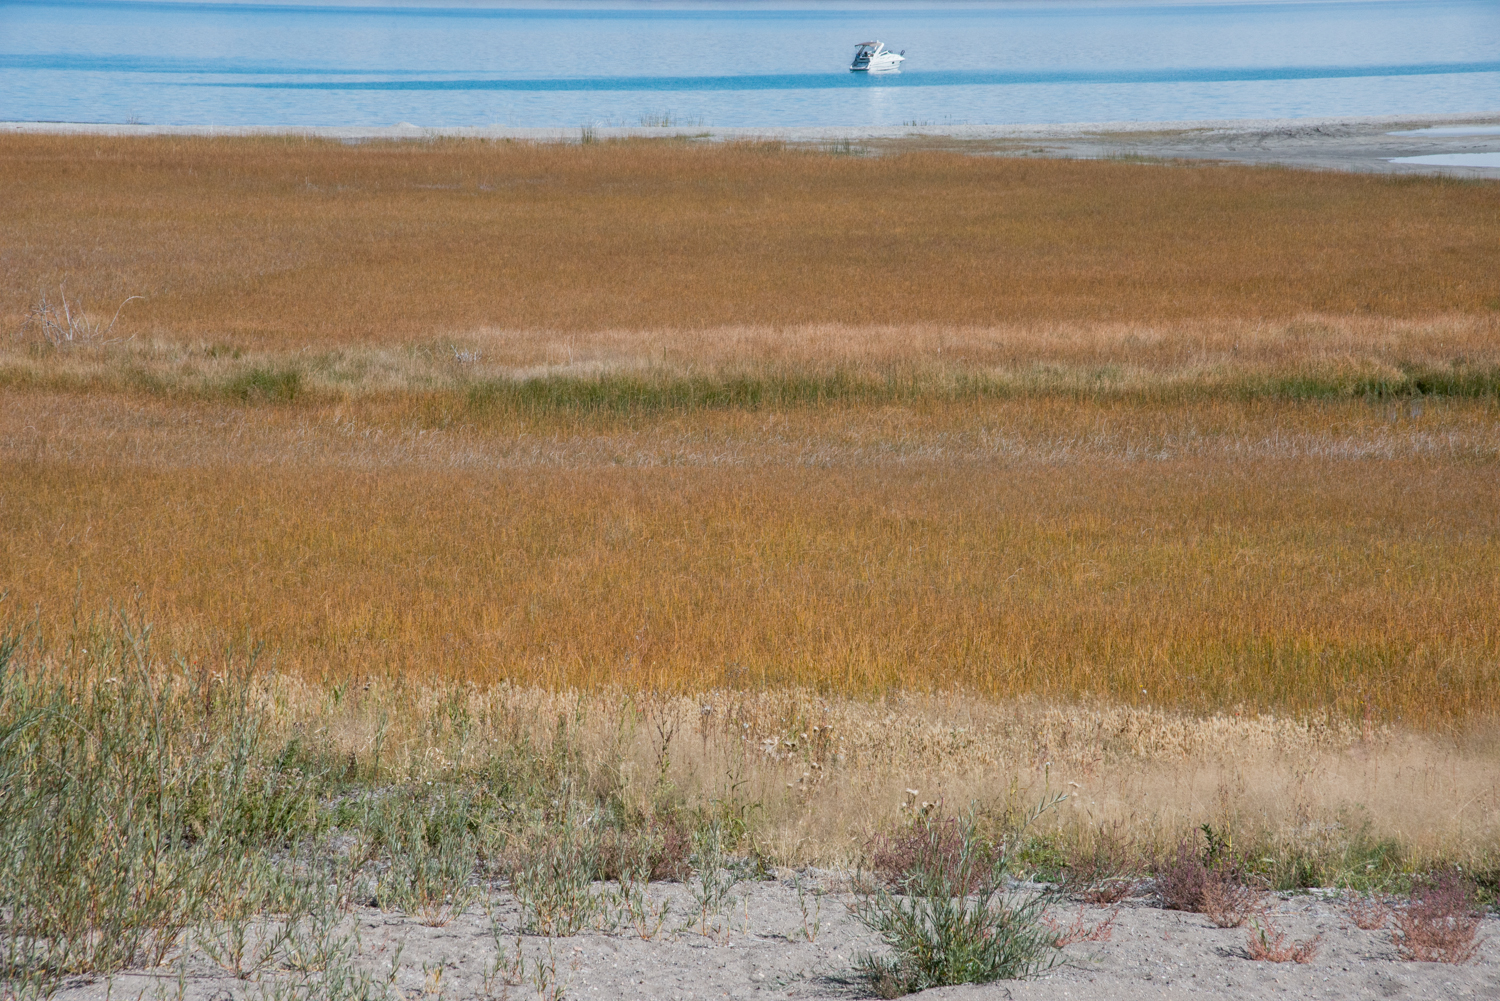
<point x="455" y="516"/>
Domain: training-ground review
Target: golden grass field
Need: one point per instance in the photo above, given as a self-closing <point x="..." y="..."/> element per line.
<point x="286" y="242"/>
<point x="678" y="417"/>
<point x="1298" y="558"/>
<point x="682" y="417"/>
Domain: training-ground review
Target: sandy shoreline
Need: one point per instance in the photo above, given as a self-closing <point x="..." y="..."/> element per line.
<point x="768" y="946"/>
<point x="1357" y="144"/>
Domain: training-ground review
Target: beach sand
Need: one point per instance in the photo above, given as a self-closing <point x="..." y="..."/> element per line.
<point x="766" y="946"/>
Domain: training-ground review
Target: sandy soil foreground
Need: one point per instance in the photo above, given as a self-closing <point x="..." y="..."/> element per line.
<point x="768" y="944"/>
<point x="1363" y="144"/>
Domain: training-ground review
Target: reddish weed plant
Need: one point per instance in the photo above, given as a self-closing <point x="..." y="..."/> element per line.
<point x="1182" y="877"/>
<point x="1081" y="930"/>
<point x="1209" y="881"/>
<point x="1227" y="902"/>
<point x="662" y="850"/>
<point x="926" y="845"/>
<point x="1267" y="943"/>
<point x="1369" y="912"/>
<point x="1190" y="875"/>
<point x="1106" y="870"/>
<point x="1107" y="892"/>
<point x="1441" y="922"/>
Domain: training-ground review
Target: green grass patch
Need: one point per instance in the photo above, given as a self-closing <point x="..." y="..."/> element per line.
<point x="629" y="394"/>
<point x="280" y="385"/>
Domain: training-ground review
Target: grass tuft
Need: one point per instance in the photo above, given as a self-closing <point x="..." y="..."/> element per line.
<point x="266" y="385"/>
<point x="953" y="920"/>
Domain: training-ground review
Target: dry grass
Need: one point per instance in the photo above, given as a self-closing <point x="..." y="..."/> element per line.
<point x="1307" y="558"/>
<point x="677" y="418"/>
<point x="817" y="774"/>
<point x="286" y="242"/>
<point x="1306" y="357"/>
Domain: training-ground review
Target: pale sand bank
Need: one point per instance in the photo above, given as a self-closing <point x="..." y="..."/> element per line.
<point x="768" y="947"/>
<point x="1380" y="144"/>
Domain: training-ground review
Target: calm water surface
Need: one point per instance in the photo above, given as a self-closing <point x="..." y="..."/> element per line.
<point x="727" y="63"/>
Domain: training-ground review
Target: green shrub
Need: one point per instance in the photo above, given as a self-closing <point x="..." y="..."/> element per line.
<point x="121" y="807"/>
<point x="952" y="920"/>
<point x="554" y="879"/>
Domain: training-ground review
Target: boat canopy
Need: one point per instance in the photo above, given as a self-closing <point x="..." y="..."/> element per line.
<point x="875" y="57"/>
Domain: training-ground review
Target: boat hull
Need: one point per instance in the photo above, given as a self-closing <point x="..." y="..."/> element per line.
<point x="874" y="57"/>
<point x="881" y="65"/>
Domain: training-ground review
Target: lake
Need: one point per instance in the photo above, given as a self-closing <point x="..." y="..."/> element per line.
<point x="740" y="64"/>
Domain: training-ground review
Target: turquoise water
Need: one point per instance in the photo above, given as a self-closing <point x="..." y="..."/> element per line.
<point x="746" y="64"/>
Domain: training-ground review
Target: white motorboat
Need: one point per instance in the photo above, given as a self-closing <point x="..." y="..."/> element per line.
<point x="874" y="57"/>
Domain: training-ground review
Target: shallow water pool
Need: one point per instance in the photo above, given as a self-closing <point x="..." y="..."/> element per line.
<point x="1451" y="130"/>
<point x="1490" y="160"/>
